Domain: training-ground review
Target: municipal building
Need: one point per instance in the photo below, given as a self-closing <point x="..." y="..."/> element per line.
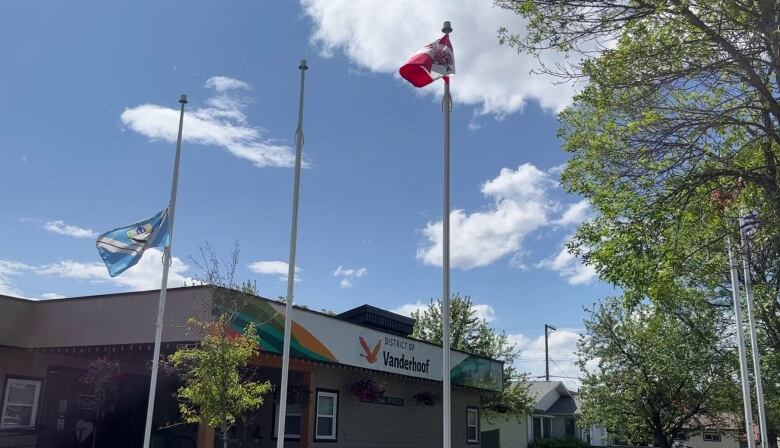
<point x="75" y="373"/>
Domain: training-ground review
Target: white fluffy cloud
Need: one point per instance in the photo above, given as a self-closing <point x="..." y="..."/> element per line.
<point x="60" y="227"/>
<point x="221" y="122"/>
<point x="223" y="83"/>
<point x="495" y="78"/>
<point x="349" y="275"/>
<point x="408" y="309"/>
<point x="575" y="214"/>
<point x="569" y="267"/>
<point x="563" y="348"/>
<point x="481" y="310"/>
<point x="520" y="206"/>
<point x="51" y="296"/>
<point x="10" y="269"/>
<point x="520" y="341"/>
<point x="277" y="268"/>
<point x="145" y="275"/>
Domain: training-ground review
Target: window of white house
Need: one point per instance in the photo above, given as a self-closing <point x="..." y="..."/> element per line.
<point x="327" y="415"/>
<point x="711" y="436"/>
<point x="542" y="428"/>
<point x="20" y="404"/>
<point x="570" y="427"/>
<point x="472" y="425"/>
<point x="292" y="424"/>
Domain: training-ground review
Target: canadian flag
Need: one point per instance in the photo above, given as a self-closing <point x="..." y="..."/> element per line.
<point x="435" y="60"/>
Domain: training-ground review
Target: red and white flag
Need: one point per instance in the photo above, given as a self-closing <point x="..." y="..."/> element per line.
<point x="435" y="60"/>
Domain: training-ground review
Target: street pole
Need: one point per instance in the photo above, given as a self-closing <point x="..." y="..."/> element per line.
<point x="743" y="370"/>
<point x="547" y="352"/>
<point x="752" y="325"/>
<point x="291" y="267"/>
<point x="446" y="105"/>
<point x="164" y="285"/>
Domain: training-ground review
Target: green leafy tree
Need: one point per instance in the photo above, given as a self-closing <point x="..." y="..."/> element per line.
<point x="472" y="334"/>
<point x="680" y="99"/>
<point x="218" y="389"/>
<point x="218" y="380"/>
<point x="649" y="376"/>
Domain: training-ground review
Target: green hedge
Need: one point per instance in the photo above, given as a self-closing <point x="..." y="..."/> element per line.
<point x="569" y="442"/>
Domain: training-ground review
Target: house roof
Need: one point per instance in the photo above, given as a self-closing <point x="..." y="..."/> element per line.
<point x="539" y="389"/>
<point x="564" y="405"/>
<point x="552" y="397"/>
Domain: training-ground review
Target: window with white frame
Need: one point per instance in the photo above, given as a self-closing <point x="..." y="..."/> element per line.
<point x="20" y="403"/>
<point x="327" y="415"/>
<point x="472" y="425"/>
<point x="711" y="436"/>
<point x="292" y="424"/>
<point x="542" y="428"/>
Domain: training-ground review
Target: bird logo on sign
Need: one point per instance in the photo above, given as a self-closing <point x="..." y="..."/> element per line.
<point x="370" y="355"/>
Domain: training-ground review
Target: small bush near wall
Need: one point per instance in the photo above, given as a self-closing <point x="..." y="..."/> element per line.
<point x="569" y="442"/>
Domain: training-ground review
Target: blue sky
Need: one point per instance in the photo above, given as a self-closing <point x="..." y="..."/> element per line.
<point x="86" y="145"/>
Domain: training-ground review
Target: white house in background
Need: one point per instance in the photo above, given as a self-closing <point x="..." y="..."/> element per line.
<point x="553" y="416"/>
<point x="727" y="434"/>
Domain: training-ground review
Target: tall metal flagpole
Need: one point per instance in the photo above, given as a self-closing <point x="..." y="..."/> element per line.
<point x="741" y="346"/>
<point x="164" y="285"/>
<point x="752" y="325"/>
<point x="446" y="105"/>
<point x="291" y="268"/>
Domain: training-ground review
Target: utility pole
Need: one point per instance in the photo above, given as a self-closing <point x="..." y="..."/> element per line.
<point x="547" y="351"/>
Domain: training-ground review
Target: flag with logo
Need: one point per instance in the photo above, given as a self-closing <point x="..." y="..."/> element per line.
<point x="122" y="248"/>
<point x="433" y="61"/>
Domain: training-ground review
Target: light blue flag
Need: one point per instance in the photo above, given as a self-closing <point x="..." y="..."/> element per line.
<point x="122" y="248"/>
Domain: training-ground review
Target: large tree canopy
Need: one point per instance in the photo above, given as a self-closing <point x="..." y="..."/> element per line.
<point x="650" y="376"/>
<point x="681" y="98"/>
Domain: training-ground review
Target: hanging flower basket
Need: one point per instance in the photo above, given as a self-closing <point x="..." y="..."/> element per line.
<point x="368" y="390"/>
<point x="425" y="398"/>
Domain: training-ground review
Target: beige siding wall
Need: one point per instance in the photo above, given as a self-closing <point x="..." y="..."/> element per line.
<point x="362" y="425"/>
<point x="727" y="440"/>
<point x="113" y="319"/>
<point x="513" y="434"/>
<point x="15" y="320"/>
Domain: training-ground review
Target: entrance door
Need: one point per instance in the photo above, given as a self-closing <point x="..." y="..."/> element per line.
<point x="68" y="415"/>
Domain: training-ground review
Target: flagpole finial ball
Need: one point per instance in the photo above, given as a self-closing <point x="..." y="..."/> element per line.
<point x="447" y="27"/>
<point x="303" y="65"/>
<point x="183" y="99"/>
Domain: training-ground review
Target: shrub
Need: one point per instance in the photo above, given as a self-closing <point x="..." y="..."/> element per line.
<point x="568" y="442"/>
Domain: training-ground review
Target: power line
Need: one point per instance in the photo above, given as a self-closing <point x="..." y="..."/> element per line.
<point x="564" y="372"/>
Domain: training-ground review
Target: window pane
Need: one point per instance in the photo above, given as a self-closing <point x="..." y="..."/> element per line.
<point x="537" y="428"/>
<point x="570" y="428"/>
<point x="472" y="433"/>
<point x="21" y="393"/>
<point x="324" y="426"/>
<point x="472" y="418"/>
<point x="292" y="425"/>
<point x="325" y="405"/>
<point x="546" y="423"/>
<point x="17" y="415"/>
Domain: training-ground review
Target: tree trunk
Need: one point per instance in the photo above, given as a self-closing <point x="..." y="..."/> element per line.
<point x="660" y="437"/>
<point x="224" y="436"/>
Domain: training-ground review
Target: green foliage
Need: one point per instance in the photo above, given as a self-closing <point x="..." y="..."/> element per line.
<point x="649" y="375"/>
<point x="567" y="442"/>
<point x="218" y="389"/>
<point x="472" y="334"/>
<point x="682" y="98"/>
